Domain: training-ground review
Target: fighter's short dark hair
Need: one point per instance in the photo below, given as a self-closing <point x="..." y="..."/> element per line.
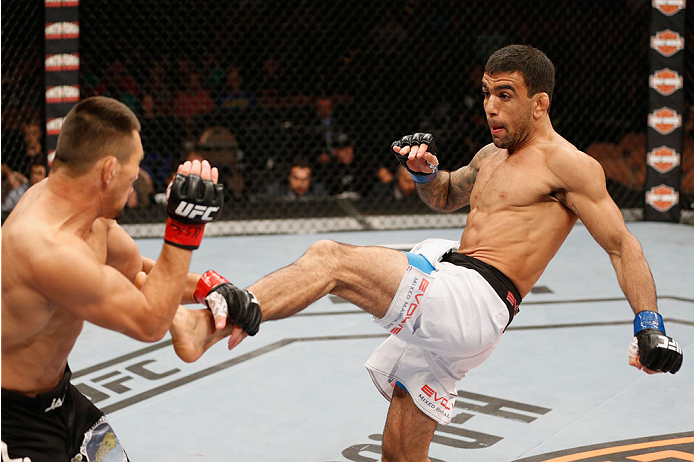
<point x="533" y="64"/>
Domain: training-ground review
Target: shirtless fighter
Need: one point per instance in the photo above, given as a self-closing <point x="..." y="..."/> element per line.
<point x="65" y="261"/>
<point x="445" y="303"/>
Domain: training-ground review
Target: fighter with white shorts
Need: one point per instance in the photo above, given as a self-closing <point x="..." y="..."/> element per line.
<point x="447" y="317"/>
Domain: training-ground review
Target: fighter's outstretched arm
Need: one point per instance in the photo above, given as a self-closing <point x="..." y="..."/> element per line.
<point x="73" y="277"/>
<point x="583" y="181"/>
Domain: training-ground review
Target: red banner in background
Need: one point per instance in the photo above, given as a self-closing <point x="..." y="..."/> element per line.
<point x="62" y="64"/>
<point x="666" y="108"/>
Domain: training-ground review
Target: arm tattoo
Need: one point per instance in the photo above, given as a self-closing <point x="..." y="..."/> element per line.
<point x="451" y="190"/>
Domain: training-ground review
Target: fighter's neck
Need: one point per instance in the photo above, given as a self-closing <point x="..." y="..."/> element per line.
<point x="75" y="202"/>
<point x="542" y="131"/>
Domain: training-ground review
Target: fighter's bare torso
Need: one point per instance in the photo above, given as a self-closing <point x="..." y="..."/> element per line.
<point x="37" y="334"/>
<point x="518" y="218"/>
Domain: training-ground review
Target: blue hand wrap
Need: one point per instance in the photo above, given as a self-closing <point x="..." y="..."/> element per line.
<point x="425" y="177"/>
<point x="648" y="320"/>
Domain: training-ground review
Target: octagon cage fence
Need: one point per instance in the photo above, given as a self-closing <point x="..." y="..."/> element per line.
<point x="268" y="89"/>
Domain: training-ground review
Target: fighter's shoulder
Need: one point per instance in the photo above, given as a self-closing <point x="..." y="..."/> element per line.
<point x="486" y="152"/>
<point x="574" y="169"/>
<point x="36" y="241"/>
<point x="563" y="156"/>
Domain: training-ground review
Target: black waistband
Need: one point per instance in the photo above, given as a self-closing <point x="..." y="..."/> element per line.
<point x="500" y="283"/>
<point x="44" y="402"/>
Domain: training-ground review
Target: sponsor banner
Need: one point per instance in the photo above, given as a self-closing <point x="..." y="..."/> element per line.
<point x="669" y="7"/>
<point x="666" y="108"/>
<point x="61" y="66"/>
<point x="663" y="159"/>
<point x="665" y="81"/>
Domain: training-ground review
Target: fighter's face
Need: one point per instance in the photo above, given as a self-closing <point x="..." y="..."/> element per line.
<point x="125" y="175"/>
<point x="508" y="108"/>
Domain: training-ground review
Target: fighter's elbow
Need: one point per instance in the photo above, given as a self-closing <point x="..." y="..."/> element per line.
<point x="148" y="331"/>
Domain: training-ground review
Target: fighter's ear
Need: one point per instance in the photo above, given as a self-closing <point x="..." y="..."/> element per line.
<point x="541" y="104"/>
<point x="109" y="164"/>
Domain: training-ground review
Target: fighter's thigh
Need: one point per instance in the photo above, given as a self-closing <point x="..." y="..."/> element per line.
<point x="408" y="432"/>
<point x="369" y="276"/>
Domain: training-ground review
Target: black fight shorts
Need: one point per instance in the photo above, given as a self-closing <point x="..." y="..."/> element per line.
<point x="61" y="425"/>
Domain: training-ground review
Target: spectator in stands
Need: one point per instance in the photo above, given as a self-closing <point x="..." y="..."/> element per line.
<point x="18" y="183"/>
<point x="299" y="183"/>
<point x="325" y="129"/>
<point x="234" y="94"/>
<point x="219" y="146"/>
<point x="159" y="87"/>
<point x="143" y="188"/>
<point x="394" y="186"/>
<point x="271" y="80"/>
<point x="118" y="83"/>
<point x="342" y="175"/>
<point x="32" y="149"/>
<point x="192" y="101"/>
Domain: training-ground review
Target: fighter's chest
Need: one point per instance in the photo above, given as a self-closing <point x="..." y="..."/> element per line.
<point x="507" y="181"/>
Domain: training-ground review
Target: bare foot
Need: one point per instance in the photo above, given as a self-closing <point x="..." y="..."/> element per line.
<point x="193" y="332"/>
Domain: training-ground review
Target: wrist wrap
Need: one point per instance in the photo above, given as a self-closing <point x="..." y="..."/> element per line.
<point x="208" y="281"/>
<point x="183" y="235"/>
<point x="648" y="320"/>
<point x="424" y="177"/>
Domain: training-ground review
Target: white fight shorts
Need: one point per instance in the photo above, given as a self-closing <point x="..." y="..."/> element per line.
<point x="442" y="325"/>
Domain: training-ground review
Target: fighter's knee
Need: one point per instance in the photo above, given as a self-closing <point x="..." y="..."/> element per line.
<point x="325" y="250"/>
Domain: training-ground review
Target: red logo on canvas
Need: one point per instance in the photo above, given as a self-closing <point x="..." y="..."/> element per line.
<point x="662" y="197"/>
<point x="413" y="306"/>
<point x="669" y="7"/>
<point x="663" y="159"/>
<point x="667" y="42"/>
<point x="664" y="120"/>
<point x="432" y="394"/>
<point x="665" y="81"/>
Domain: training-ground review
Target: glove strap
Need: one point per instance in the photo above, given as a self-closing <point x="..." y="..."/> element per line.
<point x="183" y="235"/>
<point x="208" y="281"/>
<point x="425" y="177"/>
<point x="648" y="320"/>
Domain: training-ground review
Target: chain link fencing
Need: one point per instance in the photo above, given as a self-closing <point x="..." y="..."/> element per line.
<point x="22" y="95"/>
<point x="272" y="92"/>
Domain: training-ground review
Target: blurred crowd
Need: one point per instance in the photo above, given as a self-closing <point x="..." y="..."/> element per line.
<point x="299" y="101"/>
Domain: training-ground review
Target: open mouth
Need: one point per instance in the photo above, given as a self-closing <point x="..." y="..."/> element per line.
<point x="496" y="129"/>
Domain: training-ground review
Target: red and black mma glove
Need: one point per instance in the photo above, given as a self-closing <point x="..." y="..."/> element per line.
<point x="191" y="203"/>
<point x="223" y="298"/>
<point x="416" y="140"/>
<point x="655" y="350"/>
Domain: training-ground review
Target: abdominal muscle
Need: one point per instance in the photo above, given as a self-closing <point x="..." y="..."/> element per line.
<point x="519" y="242"/>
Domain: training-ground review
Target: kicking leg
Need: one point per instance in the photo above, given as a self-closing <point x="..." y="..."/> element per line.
<point x="193" y="332"/>
<point x="366" y="276"/>
<point x="408" y="431"/>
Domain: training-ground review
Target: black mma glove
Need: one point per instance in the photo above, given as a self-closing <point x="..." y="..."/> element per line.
<point x="416" y="140"/>
<point x="225" y="299"/>
<point x="191" y="202"/>
<point x="655" y="350"/>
